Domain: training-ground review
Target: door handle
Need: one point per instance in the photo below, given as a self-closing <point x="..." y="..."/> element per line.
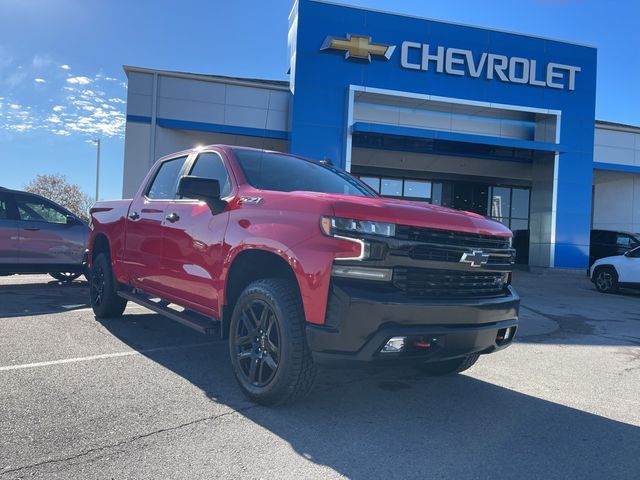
<point x="173" y="217"/>
<point x="32" y="229"/>
<point x="134" y="216"/>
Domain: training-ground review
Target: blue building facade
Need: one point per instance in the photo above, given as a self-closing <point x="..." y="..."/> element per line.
<point x="542" y="91"/>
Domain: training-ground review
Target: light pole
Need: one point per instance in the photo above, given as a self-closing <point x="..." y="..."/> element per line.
<point x="97" y="142"/>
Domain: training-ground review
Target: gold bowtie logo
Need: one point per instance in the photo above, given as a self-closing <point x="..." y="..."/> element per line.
<point x="358" y="46"/>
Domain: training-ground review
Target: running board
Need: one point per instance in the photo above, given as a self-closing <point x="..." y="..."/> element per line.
<point x="196" y="321"/>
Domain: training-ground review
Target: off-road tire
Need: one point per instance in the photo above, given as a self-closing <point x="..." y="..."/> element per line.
<point x="105" y="301"/>
<point x="295" y="372"/>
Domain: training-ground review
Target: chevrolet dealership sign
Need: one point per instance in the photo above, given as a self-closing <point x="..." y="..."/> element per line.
<point x="460" y="62"/>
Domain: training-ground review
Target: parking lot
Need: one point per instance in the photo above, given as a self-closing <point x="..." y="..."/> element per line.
<point x="143" y="397"/>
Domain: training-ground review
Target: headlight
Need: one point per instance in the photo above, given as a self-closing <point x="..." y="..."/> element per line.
<point x="333" y="226"/>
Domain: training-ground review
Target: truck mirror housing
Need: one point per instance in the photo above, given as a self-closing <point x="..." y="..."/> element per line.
<point x="201" y="188"/>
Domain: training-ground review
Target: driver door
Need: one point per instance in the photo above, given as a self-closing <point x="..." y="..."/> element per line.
<point x="47" y="235"/>
<point x="193" y="240"/>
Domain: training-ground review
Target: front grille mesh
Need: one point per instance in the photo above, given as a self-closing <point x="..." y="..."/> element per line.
<point x="446" y="237"/>
<point x="433" y="283"/>
<point x="446" y="246"/>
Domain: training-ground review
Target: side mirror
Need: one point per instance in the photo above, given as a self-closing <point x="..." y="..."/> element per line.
<point x="200" y="188"/>
<point x="71" y="220"/>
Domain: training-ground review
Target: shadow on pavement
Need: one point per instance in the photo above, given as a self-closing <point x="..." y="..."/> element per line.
<point x="397" y="423"/>
<point x="25" y="299"/>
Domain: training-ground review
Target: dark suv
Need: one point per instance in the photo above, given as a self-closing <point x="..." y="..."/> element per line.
<point x="39" y="236"/>
<point x="608" y="243"/>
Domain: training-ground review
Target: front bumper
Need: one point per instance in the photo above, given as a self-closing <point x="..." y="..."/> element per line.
<point x="361" y="320"/>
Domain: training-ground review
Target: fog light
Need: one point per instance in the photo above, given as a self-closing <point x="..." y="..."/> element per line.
<point x="363" y="273"/>
<point x="394" y="345"/>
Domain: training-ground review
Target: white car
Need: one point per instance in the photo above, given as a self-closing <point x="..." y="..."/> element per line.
<point x="622" y="271"/>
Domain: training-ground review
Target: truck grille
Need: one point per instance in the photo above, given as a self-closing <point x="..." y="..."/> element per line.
<point x="446" y="246"/>
<point x="433" y="283"/>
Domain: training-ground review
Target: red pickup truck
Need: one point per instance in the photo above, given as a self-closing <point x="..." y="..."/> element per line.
<point x="298" y="263"/>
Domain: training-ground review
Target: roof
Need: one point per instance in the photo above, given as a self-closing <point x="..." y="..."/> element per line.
<point x="618" y="126"/>
<point x="246" y="81"/>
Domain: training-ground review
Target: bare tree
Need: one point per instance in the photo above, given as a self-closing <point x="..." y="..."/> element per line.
<point x="56" y="187"/>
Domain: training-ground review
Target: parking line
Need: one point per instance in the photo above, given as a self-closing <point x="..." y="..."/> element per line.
<point x="105" y="355"/>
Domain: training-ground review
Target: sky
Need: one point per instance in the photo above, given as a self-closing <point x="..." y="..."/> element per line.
<point x="62" y="83"/>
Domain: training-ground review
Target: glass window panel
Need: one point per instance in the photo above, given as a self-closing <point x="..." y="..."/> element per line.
<point x="519" y="224"/>
<point x="500" y="202"/>
<point x="417" y="189"/>
<point x="165" y="183"/>
<point x="373" y="182"/>
<point x="623" y="240"/>
<point x="35" y="210"/>
<point x="391" y="187"/>
<point x="520" y="203"/>
<point x="209" y="165"/>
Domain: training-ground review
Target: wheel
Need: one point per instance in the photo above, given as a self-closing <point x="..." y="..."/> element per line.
<point x="104" y="300"/>
<point x="606" y="279"/>
<point x="65" y="276"/>
<point x="267" y="344"/>
<point x="449" y="367"/>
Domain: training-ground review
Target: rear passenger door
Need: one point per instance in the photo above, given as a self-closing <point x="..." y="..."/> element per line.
<point x="142" y="259"/>
<point x="9" y="235"/>
<point x="193" y="240"/>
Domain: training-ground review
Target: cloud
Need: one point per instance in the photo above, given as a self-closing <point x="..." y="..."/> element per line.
<point x="65" y="67"/>
<point x="84" y="105"/>
<point x="79" y="80"/>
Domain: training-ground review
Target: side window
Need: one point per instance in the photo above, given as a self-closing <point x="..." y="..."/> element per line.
<point x="623" y="241"/>
<point x="210" y="165"/>
<point x="33" y="209"/>
<point x="165" y="184"/>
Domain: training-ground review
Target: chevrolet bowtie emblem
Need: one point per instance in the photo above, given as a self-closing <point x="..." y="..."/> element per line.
<point x="358" y="46"/>
<point x="476" y="258"/>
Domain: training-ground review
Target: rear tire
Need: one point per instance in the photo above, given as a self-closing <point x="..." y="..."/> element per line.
<point x="104" y="298"/>
<point x="65" y="276"/>
<point x="450" y="367"/>
<point x="267" y="343"/>
<point x="606" y="279"/>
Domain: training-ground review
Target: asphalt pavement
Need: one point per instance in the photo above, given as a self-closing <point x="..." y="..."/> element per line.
<point x="142" y="397"/>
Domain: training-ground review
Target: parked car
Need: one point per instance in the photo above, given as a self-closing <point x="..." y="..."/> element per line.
<point x="298" y="263"/>
<point x="40" y="236"/>
<point x="621" y="271"/>
<point x="608" y="243"/>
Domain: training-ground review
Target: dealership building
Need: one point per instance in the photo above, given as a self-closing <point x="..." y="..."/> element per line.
<point x="497" y="123"/>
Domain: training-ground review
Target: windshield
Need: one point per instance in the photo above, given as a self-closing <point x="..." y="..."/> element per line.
<point x="285" y="173"/>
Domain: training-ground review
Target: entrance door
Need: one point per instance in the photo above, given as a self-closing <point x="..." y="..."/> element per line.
<point x="472" y="197"/>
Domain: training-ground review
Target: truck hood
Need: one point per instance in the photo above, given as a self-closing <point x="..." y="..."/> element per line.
<point x="418" y="214"/>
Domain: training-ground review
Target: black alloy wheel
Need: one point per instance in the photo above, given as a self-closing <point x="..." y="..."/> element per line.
<point x="267" y="343"/>
<point x="97" y="286"/>
<point x="258" y="343"/>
